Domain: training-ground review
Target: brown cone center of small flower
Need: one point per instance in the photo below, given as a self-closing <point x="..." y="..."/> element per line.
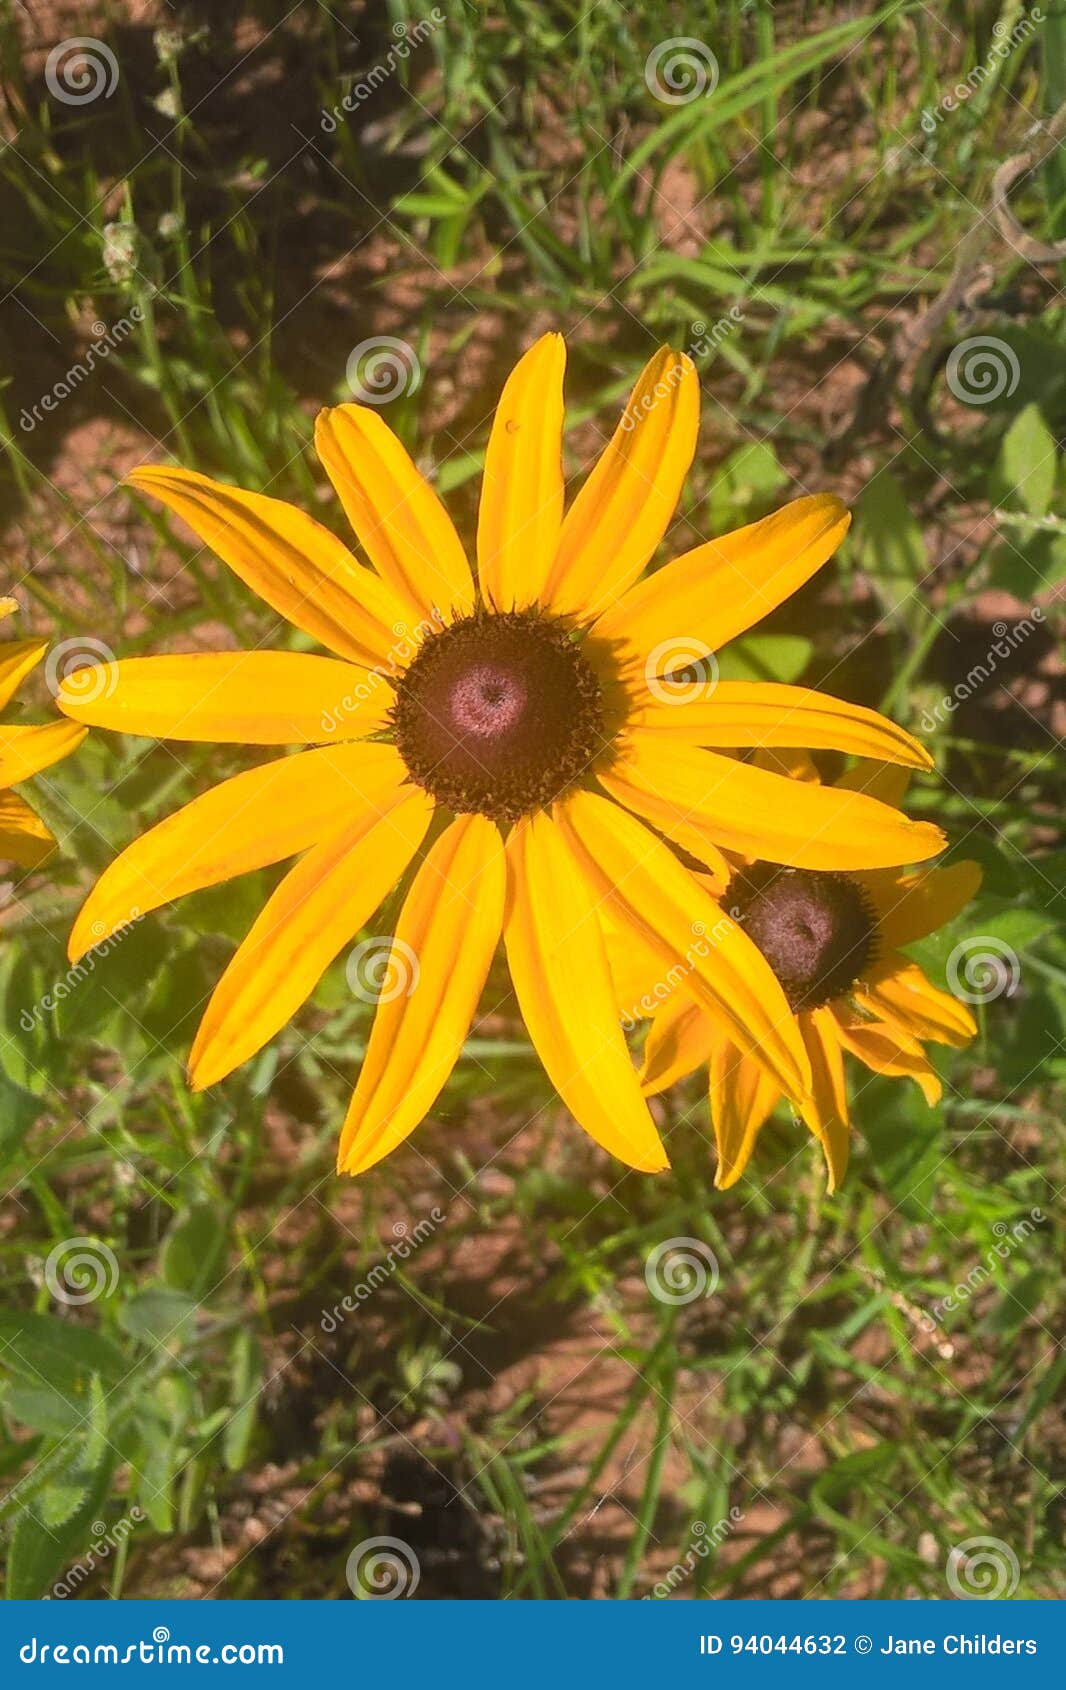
<point x="814" y="929"/>
<point x="499" y="713"/>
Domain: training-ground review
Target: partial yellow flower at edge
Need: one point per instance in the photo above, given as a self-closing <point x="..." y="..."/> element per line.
<point x="499" y="753"/>
<point x="25" y="751"/>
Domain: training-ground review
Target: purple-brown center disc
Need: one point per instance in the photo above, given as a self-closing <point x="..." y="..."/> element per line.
<point x="814" y="929"/>
<point x="499" y="713"/>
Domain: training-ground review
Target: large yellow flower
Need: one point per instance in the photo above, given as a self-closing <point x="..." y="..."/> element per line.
<point x="26" y="749"/>
<point x="834" y="942"/>
<point x="501" y="740"/>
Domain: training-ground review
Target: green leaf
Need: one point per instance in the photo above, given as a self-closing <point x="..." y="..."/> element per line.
<point x="1028" y="460"/>
<point x="194" y="1247"/>
<point x="889" y="541"/>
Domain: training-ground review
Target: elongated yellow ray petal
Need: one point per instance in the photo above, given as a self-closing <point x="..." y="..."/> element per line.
<point x="624" y="508"/>
<point x="701" y="947"/>
<point x="17" y="658"/>
<point x="318" y="908"/>
<point x="561" y="977"/>
<point x="294" y="564"/>
<point x="742" y="1097"/>
<point x="756" y="713"/>
<point x="24" y="839"/>
<point x="261" y="816"/>
<point x="826" y="1109"/>
<point x="521" y="510"/>
<point x="232" y="697"/>
<point x="448" y="930"/>
<point x="699" y="797"/>
<point x="25" y="751"/>
<point x="720" y="589"/>
<point x="398" y="518"/>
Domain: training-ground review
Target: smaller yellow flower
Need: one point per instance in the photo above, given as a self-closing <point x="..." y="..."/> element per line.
<point x="24" y="751"/>
<point x="834" y="941"/>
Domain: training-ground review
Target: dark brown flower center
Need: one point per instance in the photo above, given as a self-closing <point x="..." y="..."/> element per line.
<point x="814" y="929"/>
<point x="499" y="713"/>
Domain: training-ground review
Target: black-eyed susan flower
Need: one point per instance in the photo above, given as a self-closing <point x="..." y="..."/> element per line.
<point x="26" y="749"/>
<point x="515" y="745"/>
<point x="835" y="943"/>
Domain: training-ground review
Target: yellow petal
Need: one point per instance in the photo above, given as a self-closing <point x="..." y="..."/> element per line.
<point x="24" y="839"/>
<point x="8" y="607"/>
<point x="757" y="713"/>
<point x="887" y="781"/>
<point x="699" y="798"/>
<point x="635" y="970"/>
<point x="742" y="1097"/>
<point x="561" y="978"/>
<point x="795" y="765"/>
<point x="401" y="523"/>
<point x="294" y="564"/>
<point x="900" y="994"/>
<point x="680" y="1040"/>
<point x="261" y="816"/>
<point x="702" y="948"/>
<point x="25" y="751"/>
<point x="231" y="697"/>
<point x="720" y="589"/>
<point x="826" y="1109"/>
<point x="521" y="511"/>
<point x="17" y="658"/>
<point x="911" y="905"/>
<point x="448" y="930"/>
<point x="624" y="508"/>
<point x="884" y="1051"/>
<point x="316" y="910"/>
